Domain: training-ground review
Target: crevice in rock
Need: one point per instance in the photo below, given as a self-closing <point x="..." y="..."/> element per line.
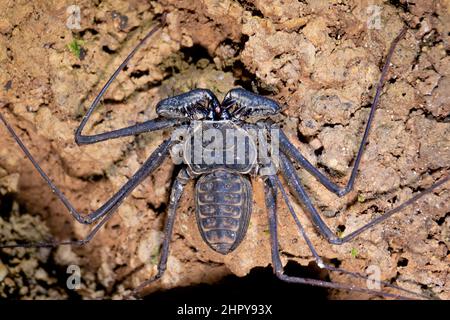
<point x="194" y="54"/>
<point x="249" y="6"/>
<point x="254" y="286"/>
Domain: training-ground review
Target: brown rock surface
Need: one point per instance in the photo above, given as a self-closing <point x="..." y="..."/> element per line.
<point x="321" y="60"/>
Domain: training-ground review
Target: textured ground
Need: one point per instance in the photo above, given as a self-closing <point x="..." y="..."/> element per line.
<point x="319" y="59"/>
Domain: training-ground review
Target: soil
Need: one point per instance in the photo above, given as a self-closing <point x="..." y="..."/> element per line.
<point x="320" y="60"/>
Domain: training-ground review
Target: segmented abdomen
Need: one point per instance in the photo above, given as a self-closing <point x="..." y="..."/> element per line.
<point x="223" y="208"/>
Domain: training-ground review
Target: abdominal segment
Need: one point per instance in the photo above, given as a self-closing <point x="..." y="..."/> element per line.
<point x="223" y="209"/>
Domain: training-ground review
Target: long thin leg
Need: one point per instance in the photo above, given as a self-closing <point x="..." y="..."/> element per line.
<point x="319" y="261"/>
<point x="270" y="197"/>
<point x="293" y="180"/>
<point x="288" y="148"/>
<point x="155" y="159"/>
<point x="177" y="190"/>
<point x="147" y="126"/>
<point x="82" y="139"/>
<point x="54" y="243"/>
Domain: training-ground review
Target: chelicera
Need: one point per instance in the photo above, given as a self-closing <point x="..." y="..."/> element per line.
<point x="223" y="193"/>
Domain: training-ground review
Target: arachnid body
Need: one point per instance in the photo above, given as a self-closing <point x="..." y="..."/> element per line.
<point x="222" y="172"/>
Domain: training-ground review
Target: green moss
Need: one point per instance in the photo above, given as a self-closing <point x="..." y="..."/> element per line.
<point x="354" y="252"/>
<point x="154" y="258"/>
<point x="75" y="47"/>
<point x="361" y="198"/>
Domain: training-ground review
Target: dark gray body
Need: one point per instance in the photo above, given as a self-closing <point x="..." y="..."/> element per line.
<point x="223" y="208"/>
<point x="223" y="192"/>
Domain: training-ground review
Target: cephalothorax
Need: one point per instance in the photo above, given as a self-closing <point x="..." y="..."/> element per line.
<point x="215" y="144"/>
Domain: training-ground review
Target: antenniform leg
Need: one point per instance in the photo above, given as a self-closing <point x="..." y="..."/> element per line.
<point x="149" y="166"/>
<point x="147" y="126"/>
<point x="293" y="180"/>
<point x="138" y="128"/>
<point x="154" y="161"/>
<point x="289" y="149"/>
